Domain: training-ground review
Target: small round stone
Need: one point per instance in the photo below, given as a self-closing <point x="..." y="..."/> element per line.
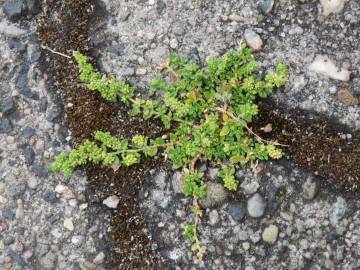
<point x="253" y="39"/>
<point x="256" y="206"/>
<point x="270" y="234"/>
<point x="236" y="211"/>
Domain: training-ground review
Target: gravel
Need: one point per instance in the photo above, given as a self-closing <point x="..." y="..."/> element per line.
<point x="308" y="225"/>
<point x="35" y="227"/>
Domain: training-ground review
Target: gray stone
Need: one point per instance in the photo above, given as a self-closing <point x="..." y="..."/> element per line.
<point x="50" y="197"/>
<point x="249" y="186"/>
<point x="53" y="115"/>
<point x="112" y="201"/>
<point x="266" y="6"/>
<point x="29" y="154"/>
<point x="7" y="105"/>
<point x="22" y="79"/>
<point x="35" y="56"/>
<point x="215" y="195"/>
<point x="43" y="104"/>
<point x="39" y="170"/>
<point x="9" y="240"/>
<point x="309" y="189"/>
<point x="27" y="132"/>
<point x="253" y="39"/>
<point x="16" y="190"/>
<point x="256" y="206"/>
<point x="160" y="180"/>
<point x="236" y="211"/>
<point x="6" y="126"/>
<point x="8" y="214"/>
<point x="213" y="217"/>
<point x="27" y="92"/>
<point x="32" y="183"/>
<point x="176" y="182"/>
<point x="13" y="8"/>
<point x="48" y="262"/>
<point x="338" y="212"/>
<point x="17" y="258"/>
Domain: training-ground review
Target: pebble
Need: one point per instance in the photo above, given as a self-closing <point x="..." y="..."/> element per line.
<point x="213" y="217"/>
<point x="270" y="234"/>
<point x="253" y="40"/>
<point x="141" y="71"/>
<point x="332" y="6"/>
<point x="7" y="105"/>
<point x="347" y="98"/>
<point x="236" y="211"/>
<point x="77" y="240"/>
<point x="6" y="126"/>
<point x="173" y="43"/>
<point x="50" y="197"/>
<point x="215" y="195"/>
<point x="53" y="115"/>
<point x="236" y="18"/>
<point x="249" y="186"/>
<point x="29" y="154"/>
<point x="324" y="66"/>
<point x="39" y="170"/>
<point x="256" y="206"/>
<point x="32" y="183"/>
<point x="12" y="9"/>
<point x="339" y="210"/>
<point x="9" y="240"/>
<point x="68" y="224"/>
<point x="309" y="189"/>
<point x="266" y="6"/>
<point x="65" y="191"/>
<point x="99" y="259"/>
<point x="27" y="132"/>
<point x="112" y="201"/>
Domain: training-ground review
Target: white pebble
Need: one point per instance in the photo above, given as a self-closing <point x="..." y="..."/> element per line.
<point x="332" y="6"/>
<point x="68" y="224"/>
<point x="112" y="201"/>
<point x="324" y="66"/>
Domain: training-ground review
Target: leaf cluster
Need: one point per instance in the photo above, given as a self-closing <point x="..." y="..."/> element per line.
<point x="208" y="110"/>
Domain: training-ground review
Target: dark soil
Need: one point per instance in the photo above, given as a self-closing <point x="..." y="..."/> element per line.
<point x="64" y="27"/>
<point x="314" y="142"/>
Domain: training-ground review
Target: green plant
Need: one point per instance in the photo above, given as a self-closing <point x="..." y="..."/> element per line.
<point x="209" y="112"/>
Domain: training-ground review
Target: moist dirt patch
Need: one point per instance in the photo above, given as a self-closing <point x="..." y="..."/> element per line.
<point x="63" y="27"/>
<point x="321" y="145"/>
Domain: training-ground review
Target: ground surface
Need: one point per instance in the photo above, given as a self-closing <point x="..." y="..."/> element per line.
<point x="317" y="224"/>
